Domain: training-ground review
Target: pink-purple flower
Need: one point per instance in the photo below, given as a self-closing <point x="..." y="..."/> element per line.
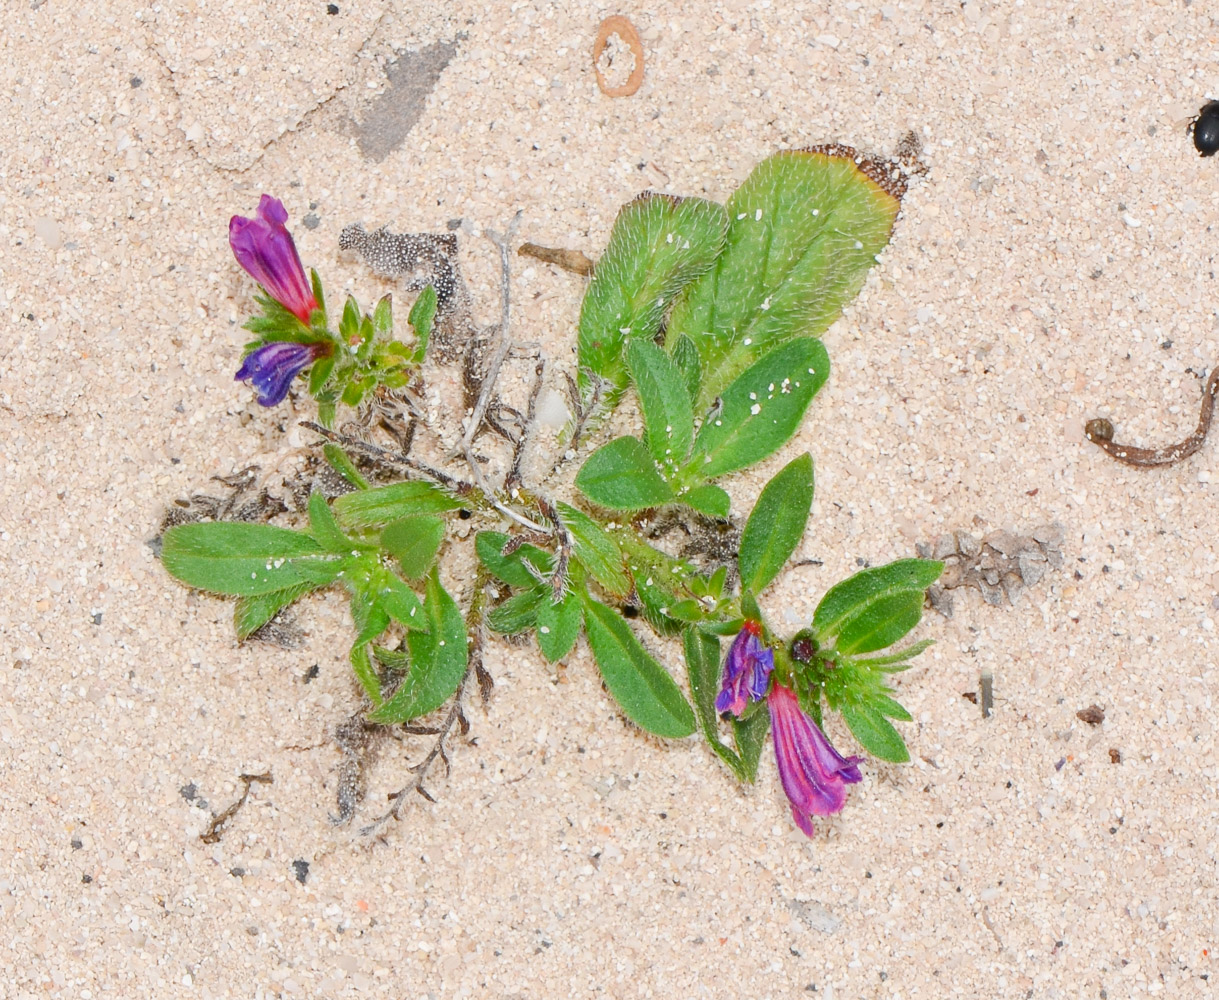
<point x="264" y="247"/>
<point x="746" y="671"/>
<point x="272" y="367"/>
<point x="813" y="773"/>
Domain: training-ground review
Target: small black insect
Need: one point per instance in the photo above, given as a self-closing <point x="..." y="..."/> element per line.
<point x="1205" y="129"/>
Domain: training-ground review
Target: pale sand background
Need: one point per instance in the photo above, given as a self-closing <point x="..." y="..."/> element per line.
<point x="1057" y="262"/>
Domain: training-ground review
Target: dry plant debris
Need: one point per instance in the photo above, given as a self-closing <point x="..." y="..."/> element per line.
<point x="215" y="829"/>
<point x="999" y="566"/>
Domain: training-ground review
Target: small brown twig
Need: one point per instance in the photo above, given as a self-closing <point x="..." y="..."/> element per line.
<point x="215" y="829"/>
<point x="1100" y="432"/>
<point x="575" y="261"/>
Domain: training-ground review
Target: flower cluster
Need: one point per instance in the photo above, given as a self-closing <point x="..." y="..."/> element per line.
<point x="265" y="248"/>
<point x="813" y="774"/>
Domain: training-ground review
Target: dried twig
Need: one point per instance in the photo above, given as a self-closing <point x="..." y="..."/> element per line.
<point x="215" y="829"/>
<point x="505" y="339"/>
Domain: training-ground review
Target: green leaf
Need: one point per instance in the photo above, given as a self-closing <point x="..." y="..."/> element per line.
<point x="640" y="685"/>
<point x="318" y="296"/>
<point x="875" y="733"/>
<point x="708" y="499"/>
<point x="399" y="601"/>
<point x="383" y="317"/>
<point x="558" y="626"/>
<point x="896" y="661"/>
<point x="875" y="607"/>
<point x="884" y="622"/>
<point x="760" y="410"/>
<point x="245" y="560"/>
<point x="891" y="709"/>
<point x="658" y="244"/>
<point x="324" y="528"/>
<point x="319" y="374"/>
<point x="341" y="462"/>
<point x="776" y="525"/>
<point x="366" y="673"/>
<point x="252" y="613"/>
<point x="597" y="551"/>
<point x="750" y="736"/>
<point x="685" y="356"/>
<point x="804" y="230"/>
<point x="513" y="569"/>
<point x="385" y="504"/>
<point x="422" y="313"/>
<point x="621" y="475"/>
<point x="414" y="542"/>
<point x="703" y="671"/>
<point x="668" y="414"/>
<point x="519" y="613"/>
<point x="368" y="613"/>
<point x="438" y="660"/>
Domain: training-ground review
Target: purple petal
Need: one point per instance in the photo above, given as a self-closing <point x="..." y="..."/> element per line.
<point x="746" y="671"/>
<point x="814" y="775"/>
<point x="272" y="367"/>
<point x="264" y="247"/>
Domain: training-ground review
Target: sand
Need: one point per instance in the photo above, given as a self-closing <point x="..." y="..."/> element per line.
<point x="1057" y="262"/>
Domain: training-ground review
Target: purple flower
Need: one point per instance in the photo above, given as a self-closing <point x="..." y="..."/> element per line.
<point x="264" y="247"/>
<point x="746" y="671"/>
<point x="272" y="367"/>
<point x="814" y="774"/>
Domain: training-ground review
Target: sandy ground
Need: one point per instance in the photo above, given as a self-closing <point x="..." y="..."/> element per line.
<point x="1057" y="262"/>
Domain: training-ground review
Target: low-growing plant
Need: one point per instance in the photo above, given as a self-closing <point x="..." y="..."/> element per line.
<point x="708" y="315"/>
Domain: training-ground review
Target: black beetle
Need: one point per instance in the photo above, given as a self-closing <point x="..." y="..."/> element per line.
<point x="1205" y="129"/>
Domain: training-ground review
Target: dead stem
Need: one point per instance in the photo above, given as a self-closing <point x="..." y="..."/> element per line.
<point x="505" y="339"/>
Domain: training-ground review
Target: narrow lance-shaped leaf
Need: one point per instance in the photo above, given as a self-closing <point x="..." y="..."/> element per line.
<point x="646" y="692"/>
<point x="776" y="525"/>
<point x="596" y="550"/>
<point x="668" y="414"/>
<point x="703" y="670"/>
<point x="750" y="734"/>
<point x="658" y="244"/>
<point x="875" y="733"/>
<point x="252" y="613"/>
<point x="804" y="229"/>
<point x="875" y="607"/>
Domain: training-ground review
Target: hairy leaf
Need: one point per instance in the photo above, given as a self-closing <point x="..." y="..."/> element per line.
<point x="658" y="244"/>
<point x="804" y="229"/>
<point x="414" y="542"/>
<point x="646" y="692"/>
<point x="558" y="626"/>
<point x="776" y="525"/>
<point x="668" y="414"/>
<point x="875" y="733"/>
<point x="438" y="660"/>
<point x="622" y="475"/>
<point x="378" y="507"/>
<point x="597" y="551"/>
<point x="759" y="411"/>
<point x="245" y="560"/>
<point x="875" y="607"/>
<point x="703" y="671"/>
